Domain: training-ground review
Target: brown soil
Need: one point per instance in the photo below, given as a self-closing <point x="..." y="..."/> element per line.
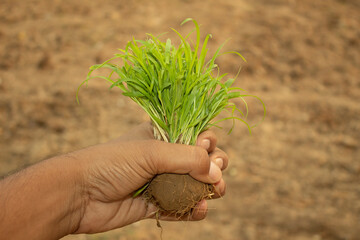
<point x="296" y="177"/>
<point x="177" y="194"/>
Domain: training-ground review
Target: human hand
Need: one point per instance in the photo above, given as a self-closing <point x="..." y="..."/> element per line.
<point x="115" y="170"/>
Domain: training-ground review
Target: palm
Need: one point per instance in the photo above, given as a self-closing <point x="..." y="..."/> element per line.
<point x="104" y="216"/>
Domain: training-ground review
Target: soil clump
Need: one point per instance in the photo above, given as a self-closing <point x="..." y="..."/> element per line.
<point x="177" y="193"/>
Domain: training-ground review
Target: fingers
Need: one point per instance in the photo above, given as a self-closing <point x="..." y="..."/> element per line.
<point x="200" y="211"/>
<point x="220" y="158"/>
<point x="205" y="163"/>
<point x="220" y="188"/>
<point x="182" y="159"/>
<point x="207" y="140"/>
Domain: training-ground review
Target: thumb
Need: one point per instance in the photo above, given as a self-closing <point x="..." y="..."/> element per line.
<point x="182" y="159"/>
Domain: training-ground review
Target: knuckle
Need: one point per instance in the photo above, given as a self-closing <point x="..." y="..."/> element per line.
<point x="202" y="158"/>
<point x="149" y="150"/>
<point x="214" y="138"/>
<point x="220" y="153"/>
<point x="225" y="160"/>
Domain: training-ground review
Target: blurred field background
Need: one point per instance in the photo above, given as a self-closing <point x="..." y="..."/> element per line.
<point x="298" y="175"/>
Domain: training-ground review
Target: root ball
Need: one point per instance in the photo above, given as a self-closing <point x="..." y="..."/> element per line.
<point x="177" y="193"/>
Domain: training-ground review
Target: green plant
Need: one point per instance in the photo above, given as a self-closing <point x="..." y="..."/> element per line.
<point x="180" y="91"/>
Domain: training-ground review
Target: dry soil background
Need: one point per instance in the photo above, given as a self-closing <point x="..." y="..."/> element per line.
<point x="297" y="176"/>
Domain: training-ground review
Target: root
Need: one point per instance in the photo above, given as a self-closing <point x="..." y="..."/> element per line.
<point x="157" y="217"/>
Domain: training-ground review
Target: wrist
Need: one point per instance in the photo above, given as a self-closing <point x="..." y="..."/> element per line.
<point x="44" y="200"/>
<point x="74" y="170"/>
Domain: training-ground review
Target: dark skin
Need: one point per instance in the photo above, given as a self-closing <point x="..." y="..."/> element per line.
<point x="90" y="190"/>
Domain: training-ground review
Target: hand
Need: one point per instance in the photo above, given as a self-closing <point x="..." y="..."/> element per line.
<point x="115" y="170"/>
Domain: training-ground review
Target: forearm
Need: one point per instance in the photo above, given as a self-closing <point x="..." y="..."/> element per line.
<point x="43" y="201"/>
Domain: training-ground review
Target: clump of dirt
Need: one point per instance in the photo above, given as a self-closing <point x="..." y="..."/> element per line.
<point x="177" y="193"/>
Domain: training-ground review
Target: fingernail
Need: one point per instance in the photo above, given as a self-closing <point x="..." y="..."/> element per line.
<point x="205" y="144"/>
<point x="214" y="172"/>
<point x="219" y="162"/>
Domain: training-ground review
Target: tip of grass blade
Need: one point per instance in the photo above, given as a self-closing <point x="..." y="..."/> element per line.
<point x="141" y="190"/>
<point x="187" y="20"/>
<point x="237" y="53"/>
<point x="78" y="90"/>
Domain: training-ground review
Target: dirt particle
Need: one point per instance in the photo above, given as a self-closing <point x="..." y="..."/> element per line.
<point x="45" y="62"/>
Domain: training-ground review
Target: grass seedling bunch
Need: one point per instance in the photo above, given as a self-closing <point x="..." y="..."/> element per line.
<point x="180" y="89"/>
